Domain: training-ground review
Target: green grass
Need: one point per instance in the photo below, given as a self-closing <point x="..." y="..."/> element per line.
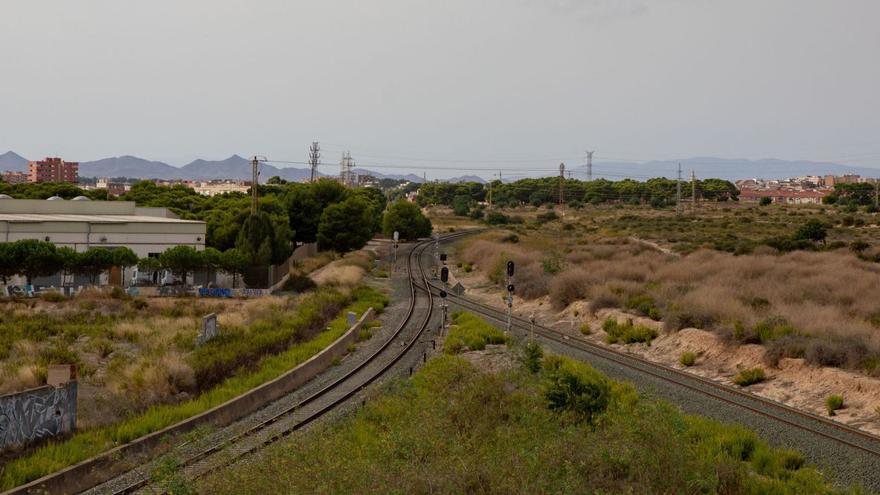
<point x="453" y="428"/>
<point x="627" y="333"/>
<point x="469" y="332"/>
<point x="749" y="376"/>
<point x="55" y="456"/>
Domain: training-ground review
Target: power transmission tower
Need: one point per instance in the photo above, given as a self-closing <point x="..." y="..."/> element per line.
<point x="678" y="192"/>
<point x="314" y="158"/>
<point x="346" y="173"/>
<point x="590" y="165"/>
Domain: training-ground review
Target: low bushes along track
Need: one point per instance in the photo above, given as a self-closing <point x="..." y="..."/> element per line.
<point x="847" y="454"/>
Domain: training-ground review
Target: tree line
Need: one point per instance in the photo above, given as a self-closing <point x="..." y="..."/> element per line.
<point x="658" y="192"/>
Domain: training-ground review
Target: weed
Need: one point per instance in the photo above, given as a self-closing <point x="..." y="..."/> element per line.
<point x="627" y="333"/>
<point x="687" y="359"/>
<point x="470" y="332"/>
<point x="833" y="403"/>
<point x="585" y="329"/>
<point x="533" y="353"/>
<point x="749" y="376"/>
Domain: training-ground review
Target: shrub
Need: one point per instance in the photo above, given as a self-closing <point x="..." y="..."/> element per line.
<point x="52" y="296"/>
<point x="533" y="353"/>
<point x="547" y="217"/>
<point x="471" y="332"/>
<point x="833" y="403"/>
<point x="585" y="329"/>
<point x="765" y="201"/>
<point x="627" y="332"/>
<point x="495" y="217"/>
<point x="687" y="358"/>
<point x="749" y="376"/>
<point x="576" y="387"/>
<point x="299" y="283"/>
<point x="644" y="305"/>
<point x="511" y="238"/>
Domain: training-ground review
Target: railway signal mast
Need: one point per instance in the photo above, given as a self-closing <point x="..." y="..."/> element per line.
<point x="510" y="267"/>
<point x="444" y="277"/>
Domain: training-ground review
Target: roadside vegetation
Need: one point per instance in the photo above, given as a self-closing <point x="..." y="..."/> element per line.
<point x="172" y="379"/>
<point x="470" y="333"/>
<point x="559" y="427"/>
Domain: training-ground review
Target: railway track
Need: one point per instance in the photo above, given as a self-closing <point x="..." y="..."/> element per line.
<point x="199" y="462"/>
<point x="849" y="454"/>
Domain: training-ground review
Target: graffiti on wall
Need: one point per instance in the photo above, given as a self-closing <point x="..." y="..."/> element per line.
<point x="37" y="413"/>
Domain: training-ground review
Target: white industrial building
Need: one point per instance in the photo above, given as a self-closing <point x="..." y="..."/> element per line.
<point x="81" y="223"/>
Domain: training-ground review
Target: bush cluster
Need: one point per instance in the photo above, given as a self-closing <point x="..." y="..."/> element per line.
<point x="469" y="332"/>
<point x="627" y="333"/>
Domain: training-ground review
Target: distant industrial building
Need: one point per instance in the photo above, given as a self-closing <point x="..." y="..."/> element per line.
<point x="81" y="223"/>
<point x="113" y="188"/>
<point x="53" y="170"/>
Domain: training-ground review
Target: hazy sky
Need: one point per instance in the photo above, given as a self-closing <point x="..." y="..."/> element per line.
<point x="444" y="83"/>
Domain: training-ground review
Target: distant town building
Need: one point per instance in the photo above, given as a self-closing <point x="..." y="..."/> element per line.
<point x="15" y="177"/>
<point x="53" y="170"/>
<point x="213" y="188"/>
<point x="113" y="188"/>
<point x="783" y="196"/>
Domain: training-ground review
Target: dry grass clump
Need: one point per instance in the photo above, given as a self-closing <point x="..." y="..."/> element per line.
<point x="340" y="276"/>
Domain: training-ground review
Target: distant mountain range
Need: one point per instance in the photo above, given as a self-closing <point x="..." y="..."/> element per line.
<point x="239" y="168"/>
<point x="235" y="167"/>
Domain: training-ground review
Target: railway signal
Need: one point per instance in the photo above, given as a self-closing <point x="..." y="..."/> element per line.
<point x="510" y="270"/>
<point x="444" y="277"/>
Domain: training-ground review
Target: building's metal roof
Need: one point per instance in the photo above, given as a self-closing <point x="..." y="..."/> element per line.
<point x="37" y="217"/>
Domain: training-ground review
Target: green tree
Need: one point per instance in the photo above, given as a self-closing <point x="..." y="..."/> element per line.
<point x="181" y="260"/>
<point x="812" y="230"/>
<point x="264" y="240"/>
<point x="234" y="262"/>
<point x="212" y="260"/>
<point x="407" y="219"/>
<point x="70" y="260"/>
<point x="35" y="258"/>
<point x="93" y="262"/>
<point x="461" y="205"/>
<point x="765" y="201"/>
<point x="8" y="261"/>
<point x="124" y="257"/>
<point x="345" y="226"/>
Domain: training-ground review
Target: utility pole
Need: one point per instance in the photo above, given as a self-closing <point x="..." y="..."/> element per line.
<point x="346" y="172"/>
<point x="693" y="191"/>
<point x="590" y="165"/>
<point x="562" y="187"/>
<point x="314" y="158"/>
<point x="678" y="192"/>
<point x="877" y="193"/>
<point x="255" y="176"/>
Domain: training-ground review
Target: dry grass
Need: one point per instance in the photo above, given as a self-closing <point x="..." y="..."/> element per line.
<point x="815" y="305"/>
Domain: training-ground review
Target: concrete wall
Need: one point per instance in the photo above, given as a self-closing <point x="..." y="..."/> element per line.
<point x="37" y="413"/>
<point x="105" y="466"/>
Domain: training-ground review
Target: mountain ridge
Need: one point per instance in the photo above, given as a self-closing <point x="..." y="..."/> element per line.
<point x="237" y="167"/>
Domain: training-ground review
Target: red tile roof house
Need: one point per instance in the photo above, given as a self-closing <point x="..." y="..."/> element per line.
<point x="783" y="196"/>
